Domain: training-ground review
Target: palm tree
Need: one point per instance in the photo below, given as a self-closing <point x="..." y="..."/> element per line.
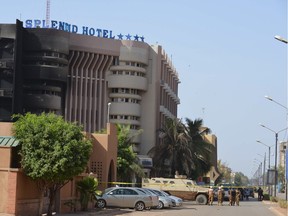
<point x="127" y="162"/>
<point x="88" y="189"/>
<point x="200" y="149"/>
<point x="173" y="149"/>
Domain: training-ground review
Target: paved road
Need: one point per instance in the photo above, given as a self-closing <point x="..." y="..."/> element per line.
<point x="246" y="208"/>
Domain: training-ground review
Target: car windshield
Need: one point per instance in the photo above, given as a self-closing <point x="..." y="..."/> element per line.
<point x="166" y="194"/>
<point x="108" y="189"/>
<point x="157" y="193"/>
<point x="144" y="191"/>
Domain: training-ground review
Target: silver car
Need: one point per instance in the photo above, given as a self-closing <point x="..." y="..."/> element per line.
<point x="155" y="198"/>
<point x="125" y="197"/>
<point x="177" y="200"/>
<point x="164" y="201"/>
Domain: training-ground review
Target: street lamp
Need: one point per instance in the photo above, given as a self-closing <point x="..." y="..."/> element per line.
<point x="269" y="156"/>
<point x="276" y="141"/>
<point x="269" y="151"/>
<point x="277" y="37"/>
<point x="271" y="99"/>
<point x="108" y="112"/>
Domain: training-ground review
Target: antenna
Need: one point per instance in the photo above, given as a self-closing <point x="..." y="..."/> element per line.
<point x="47" y="13"/>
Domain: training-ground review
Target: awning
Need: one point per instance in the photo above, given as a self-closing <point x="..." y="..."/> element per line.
<point x="8" y="141"/>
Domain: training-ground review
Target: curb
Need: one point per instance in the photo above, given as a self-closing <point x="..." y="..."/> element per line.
<point x="276" y="211"/>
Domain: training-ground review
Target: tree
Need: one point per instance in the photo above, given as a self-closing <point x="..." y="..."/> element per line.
<point x="52" y="151"/>
<point x="127" y="162"/>
<point x="240" y="179"/>
<point x="173" y="149"/>
<point x="281" y="178"/>
<point x="225" y="172"/>
<point x="199" y="148"/>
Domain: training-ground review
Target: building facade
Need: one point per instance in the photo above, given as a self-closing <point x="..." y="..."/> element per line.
<point x="87" y="79"/>
<point x="19" y="193"/>
<point x="214" y="173"/>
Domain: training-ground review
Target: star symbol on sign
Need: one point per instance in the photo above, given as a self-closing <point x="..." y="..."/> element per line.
<point x="128" y="37"/>
<point x="136" y="37"/>
<point x="120" y="36"/>
<point x="142" y="38"/>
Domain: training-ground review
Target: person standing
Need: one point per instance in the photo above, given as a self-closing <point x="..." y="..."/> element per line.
<point x="210" y="195"/>
<point x="238" y="193"/>
<point x="260" y="194"/>
<point x="232" y="196"/>
<point x="220" y="196"/>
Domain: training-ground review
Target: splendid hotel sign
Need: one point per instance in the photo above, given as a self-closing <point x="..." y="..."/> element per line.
<point x="36" y="23"/>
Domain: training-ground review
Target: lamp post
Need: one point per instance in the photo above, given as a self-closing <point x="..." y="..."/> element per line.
<point x="108" y="112"/>
<point x="279" y="38"/>
<point x="269" y="151"/>
<point x="276" y="141"/>
<point x="269" y="155"/>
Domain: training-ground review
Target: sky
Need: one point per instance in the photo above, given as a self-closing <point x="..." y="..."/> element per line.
<point x="224" y="52"/>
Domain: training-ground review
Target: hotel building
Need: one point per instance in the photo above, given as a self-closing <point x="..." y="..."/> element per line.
<point x="88" y="79"/>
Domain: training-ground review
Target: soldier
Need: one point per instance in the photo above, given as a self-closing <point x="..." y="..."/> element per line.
<point x="232" y="197"/>
<point x="210" y="195"/>
<point x="260" y="194"/>
<point x="237" y="196"/>
<point x="220" y="196"/>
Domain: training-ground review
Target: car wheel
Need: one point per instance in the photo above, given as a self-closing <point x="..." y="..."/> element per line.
<point x="101" y="203"/>
<point x="201" y="199"/>
<point x="140" y="206"/>
<point x="160" y="205"/>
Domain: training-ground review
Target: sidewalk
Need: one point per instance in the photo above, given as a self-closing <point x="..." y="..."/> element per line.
<point x="274" y="207"/>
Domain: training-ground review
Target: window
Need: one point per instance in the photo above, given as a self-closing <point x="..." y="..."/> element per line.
<point x="129" y="192"/>
<point x="117" y="192"/>
<point x="116" y="61"/>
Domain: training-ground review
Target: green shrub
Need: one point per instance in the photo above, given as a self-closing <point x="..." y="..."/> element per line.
<point x="266" y="197"/>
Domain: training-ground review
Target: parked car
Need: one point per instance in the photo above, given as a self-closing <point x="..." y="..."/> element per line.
<point x="125" y="197"/>
<point x="177" y="201"/>
<point x="155" y="198"/>
<point x="164" y="202"/>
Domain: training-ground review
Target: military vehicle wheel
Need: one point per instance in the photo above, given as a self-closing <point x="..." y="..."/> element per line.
<point x="201" y="199"/>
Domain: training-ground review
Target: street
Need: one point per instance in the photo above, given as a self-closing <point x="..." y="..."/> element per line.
<point x="246" y="208"/>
